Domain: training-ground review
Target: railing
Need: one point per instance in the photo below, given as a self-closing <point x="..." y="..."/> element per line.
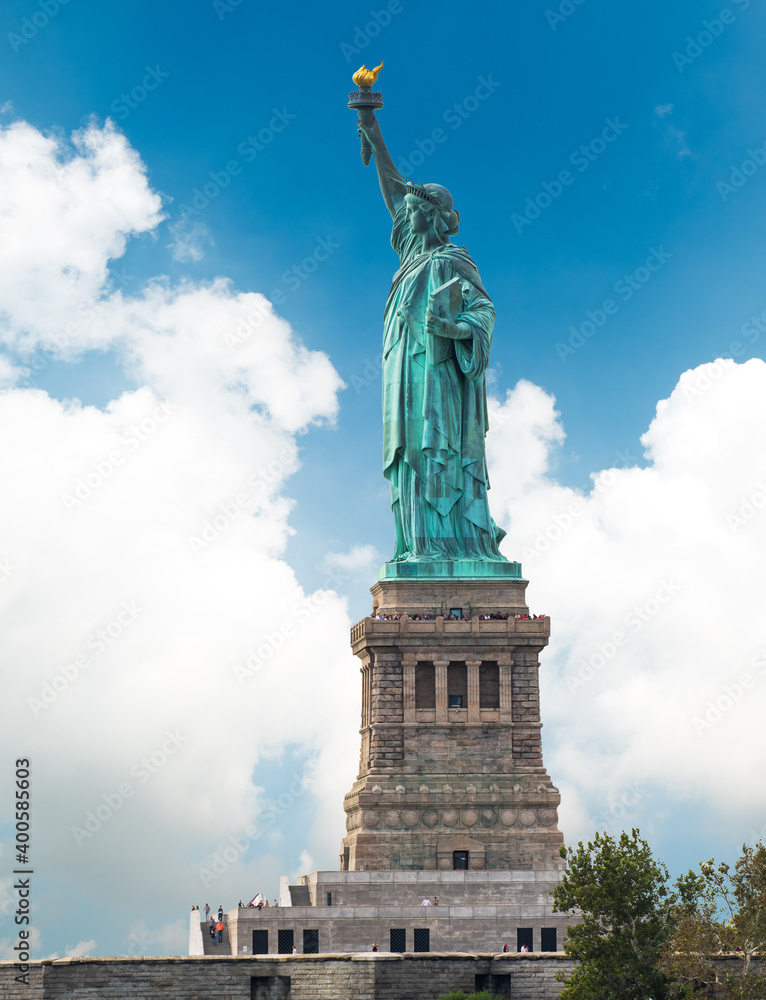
<point x="475" y="625"/>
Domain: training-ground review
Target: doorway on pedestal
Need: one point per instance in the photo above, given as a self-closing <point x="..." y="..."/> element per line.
<point x="460" y="854"/>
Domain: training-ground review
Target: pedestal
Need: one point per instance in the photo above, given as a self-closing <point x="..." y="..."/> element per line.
<point x="451" y="771"/>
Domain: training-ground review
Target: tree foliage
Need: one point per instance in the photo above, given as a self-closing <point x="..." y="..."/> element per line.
<point x="622" y="894"/>
<point x="725" y="915"/>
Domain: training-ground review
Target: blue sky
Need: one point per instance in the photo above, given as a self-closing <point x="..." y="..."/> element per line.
<point x="653" y="235"/>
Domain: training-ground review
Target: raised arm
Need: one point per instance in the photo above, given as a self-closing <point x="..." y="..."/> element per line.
<point x="392" y="184"/>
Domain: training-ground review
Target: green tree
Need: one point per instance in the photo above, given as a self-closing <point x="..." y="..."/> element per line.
<point x="622" y="894"/>
<point x="723" y="913"/>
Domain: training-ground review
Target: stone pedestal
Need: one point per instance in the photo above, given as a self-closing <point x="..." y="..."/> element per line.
<point x="451" y="770"/>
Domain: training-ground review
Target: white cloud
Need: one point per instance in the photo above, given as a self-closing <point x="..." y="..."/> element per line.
<point x="65" y="211"/>
<point x="9" y="373"/>
<point x="146" y="543"/>
<point x="80" y="949"/>
<point x="358" y="559"/>
<point x="655" y="588"/>
<point x="188" y="240"/>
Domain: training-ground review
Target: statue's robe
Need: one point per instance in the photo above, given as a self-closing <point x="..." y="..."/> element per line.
<point x="435" y="409"/>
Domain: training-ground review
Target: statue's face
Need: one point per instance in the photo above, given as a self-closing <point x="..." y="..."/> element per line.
<point x="416" y="220"/>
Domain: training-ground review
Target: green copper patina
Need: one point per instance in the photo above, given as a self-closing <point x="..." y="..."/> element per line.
<point x="438" y="323"/>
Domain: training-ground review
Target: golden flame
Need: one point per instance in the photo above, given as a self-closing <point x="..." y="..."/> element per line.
<point x="366" y="77"/>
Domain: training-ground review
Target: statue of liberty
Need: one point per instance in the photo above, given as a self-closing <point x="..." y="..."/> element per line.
<point x="438" y="323"/>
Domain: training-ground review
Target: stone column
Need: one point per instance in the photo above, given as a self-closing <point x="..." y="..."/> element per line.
<point x="505" y="667"/>
<point x="440" y="669"/>
<point x="474" y="714"/>
<point x="409" y="661"/>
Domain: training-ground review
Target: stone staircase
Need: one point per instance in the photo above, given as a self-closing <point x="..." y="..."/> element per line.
<point x="299" y="895"/>
<point x="224" y="948"/>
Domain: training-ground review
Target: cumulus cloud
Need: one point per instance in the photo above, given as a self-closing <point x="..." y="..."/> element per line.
<point x="160" y="645"/>
<point x="656" y="671"/>
<point x="65" y="211"/>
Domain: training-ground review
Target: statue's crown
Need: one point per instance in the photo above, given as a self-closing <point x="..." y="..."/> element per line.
<point x="420" y="192"/>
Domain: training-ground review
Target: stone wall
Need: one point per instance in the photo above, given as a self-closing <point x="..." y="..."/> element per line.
<point x="288" y="977"/>
<point x="453" y="888"/>
<point x="293" y="977"/>
<point x="350" y="929"/>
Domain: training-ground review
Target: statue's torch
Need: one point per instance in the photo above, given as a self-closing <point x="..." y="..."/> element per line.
<point x="364" y="101"/>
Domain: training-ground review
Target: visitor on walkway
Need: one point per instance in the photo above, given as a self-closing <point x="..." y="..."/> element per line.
<point x="426" y="902"/>
<point x="207" y="911"/>
<point x="220" y="911"/>
<point x="219" y="928"/>
<point x="374" y="946"/>
<point x="211" y="928"/>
